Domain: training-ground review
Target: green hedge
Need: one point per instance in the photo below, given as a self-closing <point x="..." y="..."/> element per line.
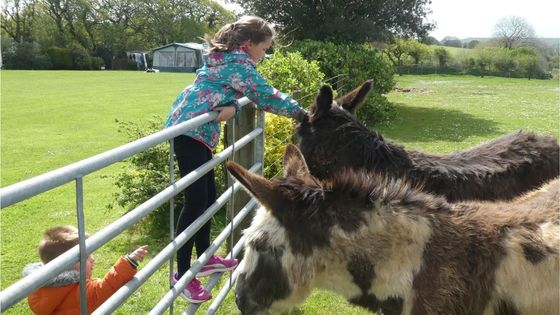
<point x="288" y="72"/>
<point x="24" y="55"/>
<point x="360" y="63"/>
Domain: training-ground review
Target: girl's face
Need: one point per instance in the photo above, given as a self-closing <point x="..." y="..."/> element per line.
<point x="257" y="51"/>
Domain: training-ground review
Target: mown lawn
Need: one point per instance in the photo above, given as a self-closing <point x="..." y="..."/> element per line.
<point x="53" y="118"/>
<point x="441" y="114"/>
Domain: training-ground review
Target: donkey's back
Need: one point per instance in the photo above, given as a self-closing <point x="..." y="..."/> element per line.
<point x="332" y="139"/>
<point x="497" y="170"/>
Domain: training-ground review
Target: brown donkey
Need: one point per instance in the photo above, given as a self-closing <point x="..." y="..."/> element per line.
<point x="502" y="169"/>
<point x="381" y="244"/>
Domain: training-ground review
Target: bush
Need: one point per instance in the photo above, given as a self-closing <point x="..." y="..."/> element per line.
<point x="97" y="63"/>
<point x="24" y="55"/>
<point x="81" y="59"/>
<point x="360" y="63"/>
<point x="529" y="63"/>
<point x="61" y="57"/>
<point x="442" y="56"/>
<point x="288" y="72"/>
<point x="145" y="174"/>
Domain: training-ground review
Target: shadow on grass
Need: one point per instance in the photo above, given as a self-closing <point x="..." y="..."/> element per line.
<point x="419" y="124"/>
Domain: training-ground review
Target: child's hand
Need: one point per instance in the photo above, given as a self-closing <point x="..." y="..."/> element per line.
<point x="224" y="113"/>
<point x="139" y="254"/>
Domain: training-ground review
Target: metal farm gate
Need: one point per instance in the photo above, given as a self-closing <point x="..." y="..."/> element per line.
<point x="246" y="135"/>
<point x="76" y="171"/>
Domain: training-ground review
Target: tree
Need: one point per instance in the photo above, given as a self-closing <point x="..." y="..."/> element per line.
<point x="417" y="51"/>
<point x="510" y="31"/>
<point x="451" y="41"/>
<point x="17" y="19"/>
<point x="473" y="43"/>
<point x="430" y="40"/>
<point x="442" y="56"/>
<point x="395" y="52"/>
<point x="484" y="60"/>
<point x="527" y="61"/>
<point x="167" y="21"/>
<point x="343" y="20"/>
<point x="86" y="29"/>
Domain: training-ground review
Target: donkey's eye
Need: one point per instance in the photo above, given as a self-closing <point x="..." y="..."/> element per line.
<point x="277" y="251"/>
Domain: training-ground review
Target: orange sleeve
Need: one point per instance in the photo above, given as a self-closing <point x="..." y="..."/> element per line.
<point x="99" y="290"/>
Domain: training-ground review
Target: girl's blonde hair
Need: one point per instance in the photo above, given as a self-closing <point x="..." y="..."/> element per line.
<point x="233" y="35"/>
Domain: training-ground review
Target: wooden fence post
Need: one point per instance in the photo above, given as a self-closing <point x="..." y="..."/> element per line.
<point x="244" y="123"/>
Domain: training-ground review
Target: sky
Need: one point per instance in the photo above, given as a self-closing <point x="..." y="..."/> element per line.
<point x="476" y="18"/>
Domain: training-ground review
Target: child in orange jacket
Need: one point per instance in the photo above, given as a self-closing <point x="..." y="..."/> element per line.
<point x="61" y="295"/>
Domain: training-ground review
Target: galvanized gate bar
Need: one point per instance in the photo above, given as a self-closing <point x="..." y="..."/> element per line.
<point x="27" y="285"/>
<point x="162" y="257"/>
<point x="82" y="242"/>
<point x="171" y="210"/>
<point x="36" y="185"/>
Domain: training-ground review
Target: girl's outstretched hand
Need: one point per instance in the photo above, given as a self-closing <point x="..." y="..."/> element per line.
<point x="224" y="113"/>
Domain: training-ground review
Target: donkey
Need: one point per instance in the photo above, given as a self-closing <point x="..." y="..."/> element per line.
<point x="332" y="137"/>
<point x="380" y="243"/>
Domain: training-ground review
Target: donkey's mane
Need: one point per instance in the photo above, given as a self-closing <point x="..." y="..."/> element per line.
<point x="367" y="188"/>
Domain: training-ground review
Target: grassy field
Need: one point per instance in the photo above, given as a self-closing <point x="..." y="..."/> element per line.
<point x="53" y="118"/>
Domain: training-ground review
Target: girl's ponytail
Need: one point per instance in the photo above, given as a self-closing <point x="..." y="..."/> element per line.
<point x="234" y="35"/>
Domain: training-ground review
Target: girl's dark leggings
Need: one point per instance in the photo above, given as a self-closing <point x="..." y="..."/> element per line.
<point x="198" y="197"/>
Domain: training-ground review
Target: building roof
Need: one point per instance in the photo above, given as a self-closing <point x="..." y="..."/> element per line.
<point x="195" y="46"/>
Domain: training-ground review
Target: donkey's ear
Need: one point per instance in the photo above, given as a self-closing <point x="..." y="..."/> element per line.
<point x="354" y="99"/>
<point x="324" y="100"/>
<point x="294" y="162"/>
<point x="256" y="185"/>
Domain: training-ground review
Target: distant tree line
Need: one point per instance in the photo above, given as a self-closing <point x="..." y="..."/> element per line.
<point x="512" y="52"/>
<point x="85" y="34"/>
<point x="88" y="34"/>
<point x="409" y="56"/>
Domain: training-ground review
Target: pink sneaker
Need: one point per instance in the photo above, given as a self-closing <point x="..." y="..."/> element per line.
<point x="194" y="292"/>
<point x="217" y="264"/>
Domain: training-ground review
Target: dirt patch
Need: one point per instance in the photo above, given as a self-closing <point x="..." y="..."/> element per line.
<point x="411" y="90"/>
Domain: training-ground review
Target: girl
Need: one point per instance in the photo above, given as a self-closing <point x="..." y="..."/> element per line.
<point x="229" y="74"/>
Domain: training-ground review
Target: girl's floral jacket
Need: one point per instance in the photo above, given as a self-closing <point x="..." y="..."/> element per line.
<point x="226" y="77"/>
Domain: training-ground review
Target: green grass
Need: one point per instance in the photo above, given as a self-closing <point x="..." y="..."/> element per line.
<point x="50" y="119"/>
<point x="442" y="114"/>
<point x="54" y="118"/>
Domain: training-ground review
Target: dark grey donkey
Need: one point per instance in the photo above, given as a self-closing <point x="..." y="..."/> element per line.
<point x="332" y="138"/>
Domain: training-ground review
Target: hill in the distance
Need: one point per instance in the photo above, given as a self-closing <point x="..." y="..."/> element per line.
<point x="549" y="41"/>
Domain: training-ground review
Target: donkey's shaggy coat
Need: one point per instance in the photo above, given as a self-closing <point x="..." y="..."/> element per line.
<point x="380" y="243"/>
<point x="498" y="170"/>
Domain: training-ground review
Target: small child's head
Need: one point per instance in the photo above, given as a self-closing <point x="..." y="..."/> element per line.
<point x="58" y="240"/>
<point x="247" y="32"/>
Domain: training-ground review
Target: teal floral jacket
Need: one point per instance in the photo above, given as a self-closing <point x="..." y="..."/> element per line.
<point x="226" y="77"/>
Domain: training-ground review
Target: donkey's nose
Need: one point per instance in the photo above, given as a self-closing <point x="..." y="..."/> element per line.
<point x="246" y="306"/>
